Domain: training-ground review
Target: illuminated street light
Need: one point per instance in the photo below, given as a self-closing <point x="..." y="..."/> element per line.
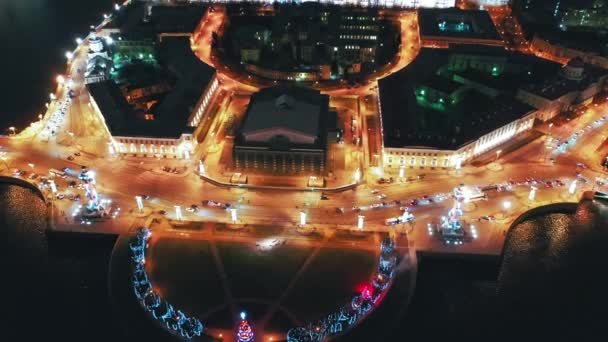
<point x="140" y="203"/>
<point x="201" y="168"/>
<point x="506" y="205"/>
<point x="357" y="175"/>
<point x="12" y="129"/>
<point x="60" y="79"/>
<point x="116" y="7"/>
<point x="572" y="188"/>
<point x="39" y="116"/>
<point x="302" y="218"/>
<point x="532" y="194"/>
<point x="53" y="187"/>
<point x="78" y="41"/>
<point x="69" y="55"/>
<point x="52" y="96"/>
<point x="178" y="212"/>
<point x="109" y="40"/>
<point x="401" y="172"/>
<point x="233" y="216"/>
<point x="360" y="222"/>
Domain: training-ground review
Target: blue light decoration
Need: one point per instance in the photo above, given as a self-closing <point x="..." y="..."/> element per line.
<point x="174" y="320"/>
<point x="347" y="316"/>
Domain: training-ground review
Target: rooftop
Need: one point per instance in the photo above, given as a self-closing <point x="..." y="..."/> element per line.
<point x="409" y="120"/>
<point x="163" y="19"/>
<point x="453" y="22"/>
<point x="286" y="110"/>
<point x="557" y="85"/>
<point x="170" y="115"/>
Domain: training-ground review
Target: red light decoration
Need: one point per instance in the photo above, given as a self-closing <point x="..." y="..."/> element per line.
<point x="366" y="292"/>
<point x="245" y="332"/>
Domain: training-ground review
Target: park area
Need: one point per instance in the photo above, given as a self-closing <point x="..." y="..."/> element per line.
<point x="287" y="285"/>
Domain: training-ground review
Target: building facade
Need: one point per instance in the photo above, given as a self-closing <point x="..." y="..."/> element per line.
<point x="285" y="131"/>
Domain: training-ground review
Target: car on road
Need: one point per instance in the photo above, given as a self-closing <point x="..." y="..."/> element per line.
<point x="381" y="196"/>
<point x="486" y="217"/>
<point x="211" y="203"/>
<point x="385" y="180"/>
<point x="146" y="197"/>
<point x="414" y="202"/>
<point x="33" y="176"/>
<point x="192" y="208"/>
<point x="60" y="196"/>
<point x="324" y="198"/>
<point x="340" y="210"/>
<point x="70" y="158"/>
<point x="77" y="154"/>
<point x="375" y="191"/>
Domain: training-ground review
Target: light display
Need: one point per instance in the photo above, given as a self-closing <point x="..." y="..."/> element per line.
<point x="360" y="306"/>
<point x="245" y="332"/>
<point x="174" y="320"/>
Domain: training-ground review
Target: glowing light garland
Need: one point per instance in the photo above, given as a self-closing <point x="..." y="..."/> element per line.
<point x="175" y="321"/>
<point x="349" y="315"/>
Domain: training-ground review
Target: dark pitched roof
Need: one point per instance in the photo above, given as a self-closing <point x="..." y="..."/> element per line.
<point x="293" y="108"/>
<point x="296" y="109"/>
<point x="479" y="23"/>
<point x="171" y="115"/>
<point x="407" y="123"/>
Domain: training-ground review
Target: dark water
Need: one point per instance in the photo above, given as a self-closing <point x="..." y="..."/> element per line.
<point x="34" y="35"/>
<point x="550" y="286"/>
<point x="53" y="288"/>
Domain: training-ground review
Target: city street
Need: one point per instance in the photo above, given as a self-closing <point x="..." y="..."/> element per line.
<point x="120" y="179"/>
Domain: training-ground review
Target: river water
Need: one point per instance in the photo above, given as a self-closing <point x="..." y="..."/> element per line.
<point x="53" y="288"/>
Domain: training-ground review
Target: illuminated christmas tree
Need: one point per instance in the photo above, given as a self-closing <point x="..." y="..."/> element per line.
<point x="245" y="333"/>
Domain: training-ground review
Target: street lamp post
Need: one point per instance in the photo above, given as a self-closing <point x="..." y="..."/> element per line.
<point x="31" y="165"/>
<point x="233" y="215"/>
<point x="201" y="168"/>
<point x="302" y="219"/>
<point x="360" y="222"/>
<point x="12" y="130"/>
<point x="532" y="194"/>
<point x="572" y="188"/>
<point x="140" y="203"/>
<point x="178" y="212"/>
<point x="498" y="154"/>
<point x="357" y="175"/>
<point x="506" y="205"/>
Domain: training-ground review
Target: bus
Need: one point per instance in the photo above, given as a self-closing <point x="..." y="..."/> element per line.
<point x="406" y="217"/>
<point x="57" y="173"/>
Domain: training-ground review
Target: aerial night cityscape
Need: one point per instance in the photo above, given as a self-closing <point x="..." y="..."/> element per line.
<point x="304" y="171"/>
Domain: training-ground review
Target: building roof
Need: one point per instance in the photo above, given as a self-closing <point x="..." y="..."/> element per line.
<point x="112" y="104"/>
<point x="299" y="113"/>
<point x="557" y="85"/>
<point x="477" y="24"/>
<point x="164" y="19"/>
<point x="406" y="122"/>
<point x="442" y="84"/>
<point x="172" y="112"/>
